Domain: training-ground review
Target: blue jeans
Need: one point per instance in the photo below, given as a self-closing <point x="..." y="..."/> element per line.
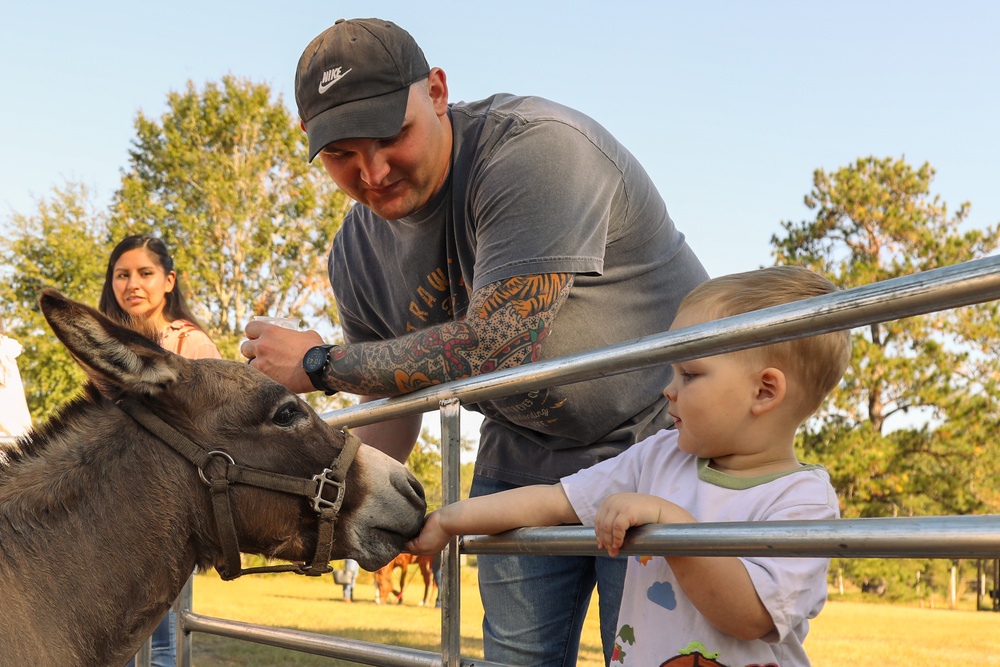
<point x="535" y="605"/>
<point x="164" y="653"/>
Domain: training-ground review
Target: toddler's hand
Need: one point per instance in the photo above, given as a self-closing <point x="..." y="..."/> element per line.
<point x="431" y="540"/>
<point x="621" y="511"/>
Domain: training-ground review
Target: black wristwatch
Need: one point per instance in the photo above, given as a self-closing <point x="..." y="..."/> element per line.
<point x="315" y="363"/>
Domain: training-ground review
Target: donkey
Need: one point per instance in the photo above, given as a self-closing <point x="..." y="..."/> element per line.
<point x="102" y="522"/>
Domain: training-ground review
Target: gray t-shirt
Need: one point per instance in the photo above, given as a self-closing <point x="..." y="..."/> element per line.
<point x="534" y="188"/>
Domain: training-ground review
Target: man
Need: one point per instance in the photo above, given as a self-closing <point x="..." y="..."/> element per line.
<point x="486" y="235"/>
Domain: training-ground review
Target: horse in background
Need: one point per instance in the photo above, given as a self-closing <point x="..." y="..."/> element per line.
<point x="101" y="522"/>
<point x="402" y="562"/>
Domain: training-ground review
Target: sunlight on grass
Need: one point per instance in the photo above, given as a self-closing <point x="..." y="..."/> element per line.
<point x="846" y="633"/>
<point x="317" y="605"/>
<point x="851" y="633"/>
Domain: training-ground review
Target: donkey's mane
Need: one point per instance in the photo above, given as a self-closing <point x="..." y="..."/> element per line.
<point x="56" y="470"/>
<point x="37" y="441"/>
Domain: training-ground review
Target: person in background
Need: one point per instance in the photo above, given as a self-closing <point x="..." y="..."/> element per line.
<point x="486" y="235"/>
<point x="436" y="573"/>
<point x="15" y="419"/>
<point x="141" y="285"/>
<point x="351" y="575"/>
<point x="729" y="457"/>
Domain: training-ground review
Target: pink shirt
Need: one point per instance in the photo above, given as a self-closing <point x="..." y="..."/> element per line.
<point x="184" y="338"/>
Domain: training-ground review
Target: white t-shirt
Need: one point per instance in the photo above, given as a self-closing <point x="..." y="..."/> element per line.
<point x="656" y="621"/>
<point x="15" y="419"/>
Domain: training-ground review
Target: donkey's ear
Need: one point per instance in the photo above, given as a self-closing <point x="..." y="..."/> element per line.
<point x="108" y="352"/>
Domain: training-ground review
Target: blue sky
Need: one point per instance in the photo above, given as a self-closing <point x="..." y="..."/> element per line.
<point x="729" y="105"/>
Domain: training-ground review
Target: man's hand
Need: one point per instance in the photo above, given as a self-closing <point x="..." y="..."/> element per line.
<point x="277" y="352"/>
<point x="621" y="511"/>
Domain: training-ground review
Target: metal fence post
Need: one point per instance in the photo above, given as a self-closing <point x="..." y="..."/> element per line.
<point x="183" y="604"/>
<point x="451" y="465"/>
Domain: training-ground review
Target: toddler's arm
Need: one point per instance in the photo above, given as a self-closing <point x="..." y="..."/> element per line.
<point x="525" y="506"/>
<point x="719" y="586"/>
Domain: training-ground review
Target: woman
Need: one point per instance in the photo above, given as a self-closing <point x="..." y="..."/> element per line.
<point x="141" y="285"/>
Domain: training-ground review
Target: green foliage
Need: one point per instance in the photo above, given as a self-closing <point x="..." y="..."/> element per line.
<point x="911" y="429"/>
<point x="425" y="464"/>
<point x="908" y="580"/>
<point x="61" y="245"/>
<point x="875" y="221"/>
<point x="222" y="177"/>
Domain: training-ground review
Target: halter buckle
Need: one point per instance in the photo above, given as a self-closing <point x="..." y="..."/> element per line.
<point x="319" y="503"/>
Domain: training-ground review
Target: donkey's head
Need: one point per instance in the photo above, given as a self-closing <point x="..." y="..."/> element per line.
<point x="228" y="407"/>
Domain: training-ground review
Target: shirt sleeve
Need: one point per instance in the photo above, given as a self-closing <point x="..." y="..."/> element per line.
<point x="542" y="204"/>
<point x="588" y="488"/>
<point x="792" y="589"/>
<point x="193" y="343"/>
<point x="200" y="346"/>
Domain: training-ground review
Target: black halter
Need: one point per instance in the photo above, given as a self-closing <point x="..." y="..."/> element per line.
<point x="236" y="474"/>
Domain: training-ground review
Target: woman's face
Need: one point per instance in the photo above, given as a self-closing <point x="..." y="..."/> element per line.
<point x="141" y="285"/>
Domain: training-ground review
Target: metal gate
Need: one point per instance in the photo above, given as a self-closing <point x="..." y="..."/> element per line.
<point x="937" y="537"/>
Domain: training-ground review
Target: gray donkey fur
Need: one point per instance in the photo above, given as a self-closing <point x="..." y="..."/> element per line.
<point x="101" y="523"/>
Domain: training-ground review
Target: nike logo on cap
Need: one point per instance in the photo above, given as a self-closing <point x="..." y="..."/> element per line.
<point x="330" y="77"/>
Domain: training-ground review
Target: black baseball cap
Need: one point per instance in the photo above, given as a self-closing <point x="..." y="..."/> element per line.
<point x="353" y="81"/>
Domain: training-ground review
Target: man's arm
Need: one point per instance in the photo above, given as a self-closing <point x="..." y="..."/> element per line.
<point x="395" y="437"/>
<point x="504" y="328"/>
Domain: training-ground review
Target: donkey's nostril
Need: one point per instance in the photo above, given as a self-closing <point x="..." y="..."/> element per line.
<point x="417" y="487"/>
<point x="410" y="488"/>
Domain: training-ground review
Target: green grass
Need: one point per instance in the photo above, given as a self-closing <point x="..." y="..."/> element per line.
<point x="846" y="633"/>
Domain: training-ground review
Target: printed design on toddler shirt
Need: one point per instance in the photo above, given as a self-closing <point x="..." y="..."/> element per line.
<point x="627" y="636"/>
<point x="695" y="655"/>
<point x="660" y="593"/>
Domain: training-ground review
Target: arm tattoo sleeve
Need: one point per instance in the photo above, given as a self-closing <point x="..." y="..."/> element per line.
<point x="505" y="326"/>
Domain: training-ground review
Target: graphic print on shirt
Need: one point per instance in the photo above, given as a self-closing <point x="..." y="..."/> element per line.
<point x="661" y="593"/>
<point x="626" y="635"/>
<point x="435" y="301"/>
<point x="695" y="655"/>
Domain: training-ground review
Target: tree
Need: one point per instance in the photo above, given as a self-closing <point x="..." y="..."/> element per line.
<point x="876" y="220"/>
<point x="425" y="464"/>
<point x="61" y="245"/>
<point x="222" y="177"/>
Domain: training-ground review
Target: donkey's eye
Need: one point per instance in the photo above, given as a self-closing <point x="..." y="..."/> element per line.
<point x="287" y="414"/>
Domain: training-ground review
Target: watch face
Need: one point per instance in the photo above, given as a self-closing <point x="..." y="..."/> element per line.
<point x="315" y="359"/>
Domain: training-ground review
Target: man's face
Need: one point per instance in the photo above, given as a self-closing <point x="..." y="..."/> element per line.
<point x="396" y="176"/>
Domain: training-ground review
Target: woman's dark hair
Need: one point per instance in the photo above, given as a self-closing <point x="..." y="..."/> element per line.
<point x="175" y="309"/>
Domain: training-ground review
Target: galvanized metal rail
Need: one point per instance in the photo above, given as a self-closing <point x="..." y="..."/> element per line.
<point x="952" y="537"/>
<point x="917" y="294"/>
<point x="905" y="537"/>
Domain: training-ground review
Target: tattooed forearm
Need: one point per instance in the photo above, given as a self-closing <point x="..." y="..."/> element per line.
<point x="507" y="322"/>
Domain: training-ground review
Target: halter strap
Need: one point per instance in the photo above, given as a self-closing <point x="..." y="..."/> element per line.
<point x="234" y="473"/>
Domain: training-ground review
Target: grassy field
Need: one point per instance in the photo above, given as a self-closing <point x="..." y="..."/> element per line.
<point x="846" y="633"/>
